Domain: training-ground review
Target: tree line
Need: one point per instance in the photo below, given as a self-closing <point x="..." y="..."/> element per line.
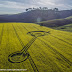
<point x="41" y="8"/>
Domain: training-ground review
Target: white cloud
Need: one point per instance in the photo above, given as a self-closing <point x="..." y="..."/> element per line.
<point x="46" y="3"/>
<point x="20" y="6"/>
<point x="53" y="4"/>
<point x="15" y="5"/>
<point x="9" y="4"/>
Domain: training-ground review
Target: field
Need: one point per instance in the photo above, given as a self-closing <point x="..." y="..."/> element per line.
<point x="69" y="17"/>
<point x="49" y="53"/>
<point x="67" y="27"/>
<point x="56" y="22"/>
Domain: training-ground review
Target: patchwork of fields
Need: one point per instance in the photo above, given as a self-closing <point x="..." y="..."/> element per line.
<point x="49" y="53"/>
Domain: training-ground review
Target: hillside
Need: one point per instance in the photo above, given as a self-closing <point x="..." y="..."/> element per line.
<point x="56" y="22"/>
<point x="36" y="16"/>
<point x="48" y="50"/>
<point x="70" y="17"/>
<point x="67" y="27"/>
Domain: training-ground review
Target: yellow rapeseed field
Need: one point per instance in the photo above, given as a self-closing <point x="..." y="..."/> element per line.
<point x="49" y="53"/>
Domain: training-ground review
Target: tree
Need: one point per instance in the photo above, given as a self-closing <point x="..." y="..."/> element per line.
<point x="40" y="8"/>
<point x="55" y="9"/>
<point x="29" y="9"/>
<point x="26" y="9"/>
<point x="33" y="8"/>
<point x="45" y="8"/>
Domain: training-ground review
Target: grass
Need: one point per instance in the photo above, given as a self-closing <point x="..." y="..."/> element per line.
<point x="67" y="27"/>
<point x="50" y="53"/>
<point x="69" y="17"/>
<point x="56" y="22"/>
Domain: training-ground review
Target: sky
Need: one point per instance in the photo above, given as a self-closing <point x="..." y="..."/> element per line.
<point x="18" y="6"/>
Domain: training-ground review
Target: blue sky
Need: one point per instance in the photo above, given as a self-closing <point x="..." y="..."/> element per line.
<point x="18" y="6"/>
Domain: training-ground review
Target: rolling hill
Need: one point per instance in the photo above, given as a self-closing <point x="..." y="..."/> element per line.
<point x="45" y="49"/>
<point x="56" y="22"/>
<point x="33" y="16"/>
<point x="67" y="27"/>
<point x="70" y="17"/>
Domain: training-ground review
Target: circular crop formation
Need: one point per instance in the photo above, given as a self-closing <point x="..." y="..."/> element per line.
<point x="17" y="57"/>
<point x="38" y="33"/>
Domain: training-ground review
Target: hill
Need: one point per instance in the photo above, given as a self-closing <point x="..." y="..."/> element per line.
<point x="70" y="17"/>
<point x="36" y="16"/>
<point x="45" y="49"/>
<point x="56" y="22"/>
<point x="67" y="27"/>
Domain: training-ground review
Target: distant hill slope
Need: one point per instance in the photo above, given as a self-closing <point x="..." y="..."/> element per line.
<point x="70" y="17"/>
<point x="56" y="22"/>
<point x="67" y="27"/>
<point x="36" y="16"/>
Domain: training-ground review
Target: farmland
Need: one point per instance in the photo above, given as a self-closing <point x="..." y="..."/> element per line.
<point x="56" y="22"/>
<point x="67" y="27"/>
<point x="49" y="53"/>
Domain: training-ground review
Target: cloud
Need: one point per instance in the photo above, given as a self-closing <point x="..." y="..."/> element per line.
<point x="21" y="5"/>
<point x="33" y="3"/>
<point x="15" y="5"/>
<point x="54" y="3"/>
<point x="46" y="3"/>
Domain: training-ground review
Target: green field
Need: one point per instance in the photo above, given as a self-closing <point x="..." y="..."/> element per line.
<point x="69" y="17"/>
<point x="67" y="27"/>
<point x="49" y="53"/>
<point x="57" y="23"/>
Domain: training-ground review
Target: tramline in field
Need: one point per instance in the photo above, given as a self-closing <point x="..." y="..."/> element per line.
<point x="21" y="56"/>
<point x="21" y="45"/>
